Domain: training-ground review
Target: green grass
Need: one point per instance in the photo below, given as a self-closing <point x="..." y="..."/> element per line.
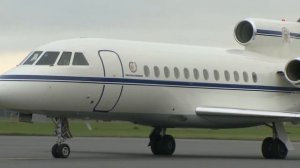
<point x="124" y="129"/>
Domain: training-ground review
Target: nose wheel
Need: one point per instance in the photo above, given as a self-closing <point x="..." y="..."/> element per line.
<point x="60" y="149"/>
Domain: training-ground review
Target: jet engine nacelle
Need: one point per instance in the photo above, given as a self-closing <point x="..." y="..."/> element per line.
<point x="268" y="37"/>
<point x="247" y="30"/>
<point x="292" y="72"/>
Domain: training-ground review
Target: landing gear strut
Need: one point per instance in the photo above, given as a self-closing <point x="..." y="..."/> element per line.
<point x="160" y="143"/>
<point x="62" y="131"/>
<point x="276" y="147"/>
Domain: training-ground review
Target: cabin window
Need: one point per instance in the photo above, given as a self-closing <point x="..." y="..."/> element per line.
<point x="245" y="76"/>
<point x="196" y="73"/>
<point x="205" y="74"/>
<point x="186" y="73"/>
<point x="167" y="72"/>
<point x="79" y="59"/>
<point x="32" y="58"/>
<point x="217" y="75"/>
<point x="65" y="58"/>
<point x="48" y="58"/>
<point x="227" y="76"/>
<point x="176" y="72"/>
<point x="146" y="71"/>
<point x="254" y="77"/>
<point x="236" y="76"/>
<point x="156" y="71"/>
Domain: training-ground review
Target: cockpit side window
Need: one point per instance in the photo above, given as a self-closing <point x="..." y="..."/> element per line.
<point x="48" y="58"/>
<point x="79" y="59"/>
<point x="65" y="58"/>
<point x="32" y="58"/>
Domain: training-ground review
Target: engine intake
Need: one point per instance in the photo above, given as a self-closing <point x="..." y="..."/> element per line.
<point x="292" y="72"/>
<point x="244" y="32"/>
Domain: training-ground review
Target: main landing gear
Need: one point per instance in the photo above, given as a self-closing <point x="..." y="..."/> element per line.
<point x="160" y="143"/>
<point x="276" y="147"/>
<point x="62" y="131"/>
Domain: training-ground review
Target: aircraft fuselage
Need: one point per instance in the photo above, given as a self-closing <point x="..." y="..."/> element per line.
<point x="148" y="83"/>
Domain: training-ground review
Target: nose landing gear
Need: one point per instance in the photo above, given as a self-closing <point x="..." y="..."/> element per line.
<point x="62" y="131"/>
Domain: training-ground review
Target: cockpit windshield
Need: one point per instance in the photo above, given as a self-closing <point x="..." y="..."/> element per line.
<point x="48" y="58"/>
<point x="65" y="59"/>
<point x="56" y="58"/>
<point x="32" y="58"/>
<point x="79" y="59"/>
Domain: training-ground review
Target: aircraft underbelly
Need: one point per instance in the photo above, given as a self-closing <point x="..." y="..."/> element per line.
<point x="184" y="101"/>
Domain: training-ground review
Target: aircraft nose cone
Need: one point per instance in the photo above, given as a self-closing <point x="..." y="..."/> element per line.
<point x="1" y="106"/>
<point x="2" y="96"/>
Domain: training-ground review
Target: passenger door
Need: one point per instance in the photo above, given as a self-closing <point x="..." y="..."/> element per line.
<point x="113" y="74"/>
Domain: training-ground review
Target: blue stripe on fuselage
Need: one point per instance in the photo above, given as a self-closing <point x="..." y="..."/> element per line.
<point x="147" y="82"/>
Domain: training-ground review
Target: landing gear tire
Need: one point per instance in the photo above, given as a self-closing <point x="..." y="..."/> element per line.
<point x="274" y="149"/>
<point x="266" y="147"/>
<point x="167" y="145"/>
<point x="279" y="149"/>
<point x="54" y="151"/>
<point x="61" y="151"/>
<point x="163" y="145"/>
<point x="155" y="145"/>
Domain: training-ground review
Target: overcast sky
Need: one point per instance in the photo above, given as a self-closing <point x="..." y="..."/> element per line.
<point x="27" y="24"/>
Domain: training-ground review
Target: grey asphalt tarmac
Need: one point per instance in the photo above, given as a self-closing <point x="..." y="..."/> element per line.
<point x="34" y="152"/>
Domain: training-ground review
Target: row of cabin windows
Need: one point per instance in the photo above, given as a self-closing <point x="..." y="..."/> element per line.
<point x="196" y="73"/>
<point x="50" y="58"/>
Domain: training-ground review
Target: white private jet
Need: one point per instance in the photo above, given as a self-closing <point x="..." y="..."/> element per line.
<point x="164" y="85"/>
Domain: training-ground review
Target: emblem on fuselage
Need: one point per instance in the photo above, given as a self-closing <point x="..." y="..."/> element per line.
<point x="133" y="67"/>
<point x="286" y="35"/>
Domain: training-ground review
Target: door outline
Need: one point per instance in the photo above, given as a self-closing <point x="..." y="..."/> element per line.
<point x="104" y="74"/>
